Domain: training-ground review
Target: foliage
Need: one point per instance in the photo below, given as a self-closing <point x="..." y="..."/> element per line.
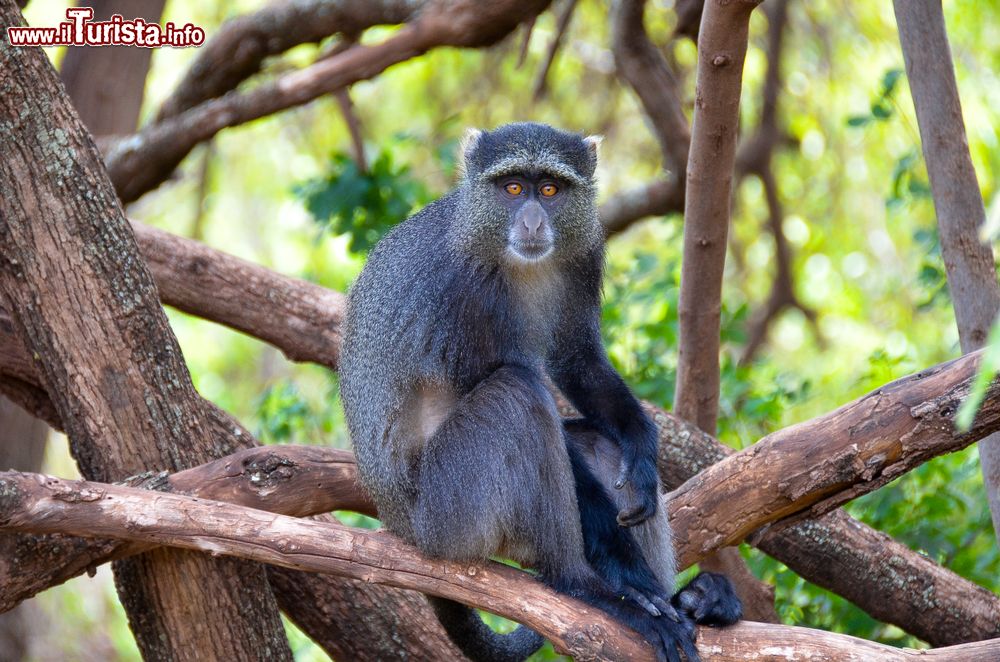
<point x="286" y="417"/>
<point x="363" y="204"/>
<point x="881" y="107"/>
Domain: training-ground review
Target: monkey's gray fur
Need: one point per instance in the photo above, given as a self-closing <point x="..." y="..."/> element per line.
<point x="458" y="316"/>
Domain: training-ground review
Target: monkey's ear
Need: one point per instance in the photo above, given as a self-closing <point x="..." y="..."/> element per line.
<point x="465" y="148"/>
<point x="593" y="143"/>
<point x="469" y="141"/>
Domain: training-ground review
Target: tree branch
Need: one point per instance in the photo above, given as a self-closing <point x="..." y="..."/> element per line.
<point x="658" y="198"/>
<point x="43" y="504"/>
<point x="562" y="24"/>
<point x="809" y="469"/>
<point x="300" y="318"/>
<point x="142" y="162"/>
<point x="88" y="311"/>
<point x="238" y="50"/>
<point x="722" y="48"/>
<point x="755" y="156"/>
<point x="649" y="75"/>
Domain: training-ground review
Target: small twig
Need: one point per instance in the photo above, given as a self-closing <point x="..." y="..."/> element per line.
<point x="197" y="225"/>
<point x="522" y="54"/>
<point x="353" y="127"/>
<point x="561" y="26"/>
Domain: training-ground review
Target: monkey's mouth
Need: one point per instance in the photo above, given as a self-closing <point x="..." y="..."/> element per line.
<point x="531" y="250"/>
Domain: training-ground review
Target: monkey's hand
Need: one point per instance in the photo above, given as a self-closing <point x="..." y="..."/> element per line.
<point x="637" y="478"/>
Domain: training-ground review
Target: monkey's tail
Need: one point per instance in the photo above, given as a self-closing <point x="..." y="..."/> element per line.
<point x="480" y="643"/>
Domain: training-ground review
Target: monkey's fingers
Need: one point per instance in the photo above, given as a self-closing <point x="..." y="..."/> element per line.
<point x="665" y="608"/>
<point x="677" y="635"/>
<point x="641" y="600"/>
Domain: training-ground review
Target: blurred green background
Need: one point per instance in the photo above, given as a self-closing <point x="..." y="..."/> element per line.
<point x="285" y="192"/>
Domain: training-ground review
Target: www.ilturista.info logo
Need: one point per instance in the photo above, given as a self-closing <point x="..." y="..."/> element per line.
<point x="79" y="30"/>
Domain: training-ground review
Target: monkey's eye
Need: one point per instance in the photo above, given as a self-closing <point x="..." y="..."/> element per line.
<point x="548" y="190"/>
<point x="513" y="188"/>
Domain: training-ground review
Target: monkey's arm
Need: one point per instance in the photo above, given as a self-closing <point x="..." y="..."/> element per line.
<point x="579" y="366"/>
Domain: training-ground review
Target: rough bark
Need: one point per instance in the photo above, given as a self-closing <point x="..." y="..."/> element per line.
<point x="809" y="469"/>
<point x="37" y="503"/>
<point x="325" y="607"/>
<point x="968" y="261"/>
<point x="238" y="50"/>
<point x="108" y="360"/>
<point x="901" y="587"/>
<point x="892" y="583"/>
<point x="106" y="84"/>
<point x="139" y="163"/>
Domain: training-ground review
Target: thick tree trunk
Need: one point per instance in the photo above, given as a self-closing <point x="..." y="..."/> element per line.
<point x="106" y="84"/>
<point x="109" y="362"/>
<point x="969" y="262"/>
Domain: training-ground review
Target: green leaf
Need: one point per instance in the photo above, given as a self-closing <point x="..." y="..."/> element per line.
<point x="988" y="370"/>
<point x="889" y="81"/>
<point x="881" y="110"/>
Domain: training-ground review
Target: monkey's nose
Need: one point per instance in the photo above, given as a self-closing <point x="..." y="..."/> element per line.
<point x="532" y="216"/>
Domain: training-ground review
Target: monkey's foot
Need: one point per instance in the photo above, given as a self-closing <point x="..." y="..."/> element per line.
<point x="709" y="599"/>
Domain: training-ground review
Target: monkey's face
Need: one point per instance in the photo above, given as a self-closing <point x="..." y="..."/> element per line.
<point x="529" y="191"/>
<point x="531" y="202"/>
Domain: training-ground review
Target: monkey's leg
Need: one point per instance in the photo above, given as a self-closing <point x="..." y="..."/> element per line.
<point x="613" y="551"/>
<point x="625" y="557"/>
<point x="490" y="478"/>
<point x="480" y="493"/>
